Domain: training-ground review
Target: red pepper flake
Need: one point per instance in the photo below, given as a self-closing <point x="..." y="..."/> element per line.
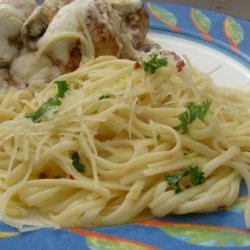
<point x="180" y="65"/>
<point x="71" y="177"/>
<point x="137" y="65"/>
<point x="221" y="207"/>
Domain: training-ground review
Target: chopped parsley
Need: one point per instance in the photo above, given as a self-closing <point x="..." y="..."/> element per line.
<point x="52" y="102"/>
<point x="196" y="177"/>
<point x="174" y="180"/>
<point x="76" y="163"/>
<point x="104" y="97"/>
<point x="158" y="137"/>
<point x="62" y="87"/>
<point x="154" y="63"/>
<point x="193" y="111"/>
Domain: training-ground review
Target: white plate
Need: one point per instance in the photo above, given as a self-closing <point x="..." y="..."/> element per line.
<point x="231" y="72"/>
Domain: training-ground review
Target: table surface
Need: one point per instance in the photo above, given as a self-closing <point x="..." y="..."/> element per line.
<point x="239" y="8"/>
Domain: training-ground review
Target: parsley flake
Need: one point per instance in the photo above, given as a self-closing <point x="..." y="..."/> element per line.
<point x="174" y="180"/>
<point x="104" y="97"/>
<point x="154" y="63"/>
<point x="193" y="111"/>
<point x="52" y="102"/>
<point x="63" y="87"/>
<point x="196" y="177"/>
<point x="76" y="163"/>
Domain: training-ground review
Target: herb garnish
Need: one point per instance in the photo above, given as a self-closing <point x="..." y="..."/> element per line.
<point x="62" y="87"/>
<point x="76" y="163"/>
<point x="104" y="97"/>
<point x="52" y="102"/>
<point x="193" y="111"/>
<point x="158" y="137"/>
<point x="196" y="177"/>
<point x="174" y="180"/>
<point x="154" y="63"/>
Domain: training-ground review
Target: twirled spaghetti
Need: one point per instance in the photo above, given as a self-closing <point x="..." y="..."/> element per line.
<point x="121" y="121"/>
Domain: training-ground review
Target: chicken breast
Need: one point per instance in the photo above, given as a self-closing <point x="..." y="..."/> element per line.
<point x="74" y="17"/>
<point x="61" y="34"/>
<point x="134" y="23"/>
<point x="105" y="28"/>
<point x="129" y="21"/>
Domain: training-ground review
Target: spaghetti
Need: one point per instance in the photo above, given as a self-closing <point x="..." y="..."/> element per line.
<point x="119" y="123"/>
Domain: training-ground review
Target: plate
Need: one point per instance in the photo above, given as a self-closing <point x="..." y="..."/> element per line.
<point x="216" y="44"/>
<point x="223" y="68"/>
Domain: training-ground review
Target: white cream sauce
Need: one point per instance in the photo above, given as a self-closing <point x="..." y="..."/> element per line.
<point x="12" y="15"/>
<point x="11" y="21"/>
<point x="69" y="18"/>
<point x="26" y="70"/>
<point x="24" y="6"/>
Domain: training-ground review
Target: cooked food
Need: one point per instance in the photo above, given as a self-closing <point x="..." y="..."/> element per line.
<point x="108" y="31"/>
<point x="65" y="34"/>
<point x="12" y="15"/>
<point x="27" y="70"/>
<point x="25" y="7"/>
<point x="118" y="140"/>
<point x="133" y="133"/>
<point x="116" y="28"/>
<point x="39" y="20"/>
<point x="4" y="78"/>
<point x="68" y="33"/>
